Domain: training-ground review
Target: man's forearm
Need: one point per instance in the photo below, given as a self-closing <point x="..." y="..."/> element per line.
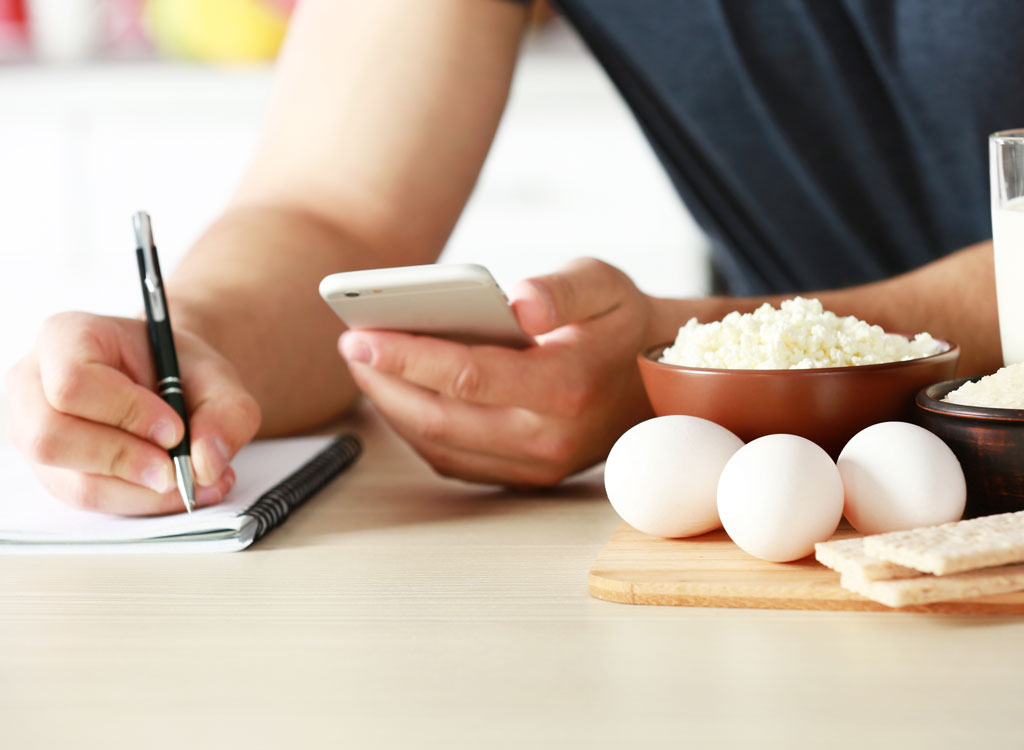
<point x="952" y="298"/>
<point x="249" y="288"/>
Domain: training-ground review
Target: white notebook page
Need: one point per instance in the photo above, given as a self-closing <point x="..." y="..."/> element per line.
<point x="29" y="514"/>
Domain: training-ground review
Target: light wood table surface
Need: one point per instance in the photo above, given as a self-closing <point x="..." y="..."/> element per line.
<point x="397" y="609"/>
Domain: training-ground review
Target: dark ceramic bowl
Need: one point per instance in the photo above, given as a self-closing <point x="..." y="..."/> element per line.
<point x="828" y="405"/>
<point x="988" y="442"/>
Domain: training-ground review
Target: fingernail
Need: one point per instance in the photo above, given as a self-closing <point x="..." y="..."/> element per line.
<point x="356" y="350"/>
<point x="211" y="458"/>
<point x="163" y="434"/>
<point x="157" y="478"/>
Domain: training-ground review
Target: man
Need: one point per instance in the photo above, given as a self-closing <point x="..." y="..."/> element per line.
<point x="820" y="144"/>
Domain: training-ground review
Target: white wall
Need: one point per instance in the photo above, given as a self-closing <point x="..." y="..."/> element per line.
<point x="82" y="148"/>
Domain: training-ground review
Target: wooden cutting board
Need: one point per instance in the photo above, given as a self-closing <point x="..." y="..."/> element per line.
<point x="711" y="571"/>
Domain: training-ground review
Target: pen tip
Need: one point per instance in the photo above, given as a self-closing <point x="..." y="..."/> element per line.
<point x="186" y="481"/>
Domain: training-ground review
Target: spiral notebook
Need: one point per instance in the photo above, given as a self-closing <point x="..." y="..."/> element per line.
<point x="274" y="478"/>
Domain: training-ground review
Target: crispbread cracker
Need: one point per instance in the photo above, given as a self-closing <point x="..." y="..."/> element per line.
<point x="847" y="556"/>
<point x="927" y="589"/>
<point x="954" y="547"/>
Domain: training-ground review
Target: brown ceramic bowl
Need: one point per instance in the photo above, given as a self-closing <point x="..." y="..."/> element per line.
<point x="828" y="405"/>
<point x="988" y="442"/>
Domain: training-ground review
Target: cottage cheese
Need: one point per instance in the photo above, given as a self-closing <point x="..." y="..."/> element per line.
<point x="798" y="335"/>
<point x="1004" y="389"/>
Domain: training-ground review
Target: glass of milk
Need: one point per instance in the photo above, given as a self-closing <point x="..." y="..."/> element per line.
<point x="1006" y="162"/>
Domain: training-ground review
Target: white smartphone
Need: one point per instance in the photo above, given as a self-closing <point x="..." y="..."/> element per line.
<point x="461" y="302"/>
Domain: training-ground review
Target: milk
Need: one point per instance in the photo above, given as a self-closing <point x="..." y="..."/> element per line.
<point x="1008" y="236"/>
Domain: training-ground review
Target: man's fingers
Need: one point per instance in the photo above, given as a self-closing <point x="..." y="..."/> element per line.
<point x="110" y="495"/>
<point x="421" y="416"/>
<point x="80" y="377"/>
<point x="584" y="289"/>
<point x="85" y="414"/>
<point x="437" y="425"/>
<point x="487" y="375"/>
<point x="100" y="394"/>
<point x="49" y="437"/>
<point x="223" y="416"/>
<point x="448" y="434"/>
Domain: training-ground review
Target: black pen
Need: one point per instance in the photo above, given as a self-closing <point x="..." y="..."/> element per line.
<point x="161" y="340"/>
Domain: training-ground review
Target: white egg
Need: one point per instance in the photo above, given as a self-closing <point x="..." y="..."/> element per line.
<point x="778" y="496"/>
<point x="897" y="476"/>
<point x="661" y="475"/>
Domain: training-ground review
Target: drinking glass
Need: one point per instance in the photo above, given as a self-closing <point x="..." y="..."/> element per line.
<point x="1006" y="163"/>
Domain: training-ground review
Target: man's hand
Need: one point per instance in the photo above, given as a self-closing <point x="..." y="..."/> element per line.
<point x="530" y="417"/>
<point x="86" y="415"/>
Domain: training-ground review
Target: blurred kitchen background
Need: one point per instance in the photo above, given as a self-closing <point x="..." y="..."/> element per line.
<point x="109" y="106"/>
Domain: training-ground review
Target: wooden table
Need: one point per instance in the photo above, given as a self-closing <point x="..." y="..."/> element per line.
<point x="398" y="609"/>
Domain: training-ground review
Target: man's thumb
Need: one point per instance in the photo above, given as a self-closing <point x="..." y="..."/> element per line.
<point x="224" y="418"/>
<point x="584" y="289"/>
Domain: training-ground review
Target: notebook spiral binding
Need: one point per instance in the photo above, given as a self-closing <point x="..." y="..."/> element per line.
<point x="276" y="503"/>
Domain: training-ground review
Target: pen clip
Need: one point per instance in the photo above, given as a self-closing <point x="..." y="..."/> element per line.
<point x="151" y="280"/>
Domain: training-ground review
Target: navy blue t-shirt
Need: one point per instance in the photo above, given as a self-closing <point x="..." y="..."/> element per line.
<point x="819" y="143"/>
